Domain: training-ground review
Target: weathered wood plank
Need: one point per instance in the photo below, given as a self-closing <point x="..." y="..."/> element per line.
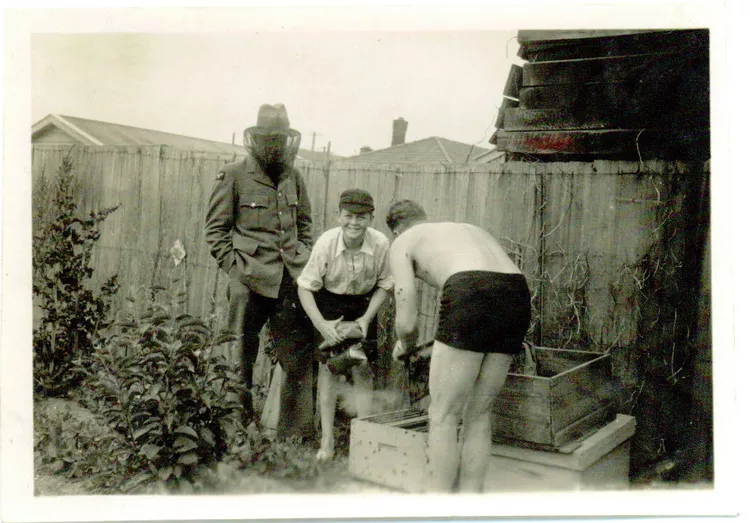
<point x="504" y="106"/>
<point x="561" y="119"/>
<point x="577" y="96"/>
<point x="579" y="391"/>
<point x="628" y="143"/>
<point x="522" y="411"/>
<point x="550" y="35"/>
<point x="604" y="70"/>
<point x="534" y="47"/>
<point x="514" y="82"/>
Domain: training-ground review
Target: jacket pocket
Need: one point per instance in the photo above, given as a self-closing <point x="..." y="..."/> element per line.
<point x="253" y="211"/>
<point x="292" y="203"/>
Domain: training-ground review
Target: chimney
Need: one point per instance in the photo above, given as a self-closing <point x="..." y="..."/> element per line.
<point x="399" y="131"/>
<point x="365" y="149"/>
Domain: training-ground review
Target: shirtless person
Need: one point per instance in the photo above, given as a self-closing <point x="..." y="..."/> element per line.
<point x="485" y="312"/>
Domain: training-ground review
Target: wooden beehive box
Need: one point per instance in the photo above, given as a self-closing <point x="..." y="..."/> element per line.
<point x="571" y="395"/>
<point x="390" y="449"/>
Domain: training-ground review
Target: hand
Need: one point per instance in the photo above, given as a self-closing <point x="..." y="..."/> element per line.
<point x="363" y="325"/>
<point x="328" y="330"/>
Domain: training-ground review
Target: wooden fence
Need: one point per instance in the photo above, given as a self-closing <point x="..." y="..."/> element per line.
<point x="577" y="230"/>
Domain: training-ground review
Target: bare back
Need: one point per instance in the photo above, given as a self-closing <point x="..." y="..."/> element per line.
<point x="440" y="250"/>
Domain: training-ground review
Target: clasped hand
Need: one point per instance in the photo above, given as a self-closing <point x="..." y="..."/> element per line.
<point x="336" y="331"/>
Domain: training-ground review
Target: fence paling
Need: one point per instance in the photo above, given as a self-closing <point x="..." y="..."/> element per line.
<point x="572" y="227"/>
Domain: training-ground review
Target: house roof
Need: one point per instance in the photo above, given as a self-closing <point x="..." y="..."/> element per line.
<point x="93" y="132"/>
<point x="428" y="150"/>
<point x="315" y="156"/>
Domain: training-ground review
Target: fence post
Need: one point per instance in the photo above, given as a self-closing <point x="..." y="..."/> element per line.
<point x="540" y="201"/>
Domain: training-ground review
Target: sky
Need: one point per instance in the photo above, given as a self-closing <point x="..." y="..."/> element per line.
<point x="346" y="87"/>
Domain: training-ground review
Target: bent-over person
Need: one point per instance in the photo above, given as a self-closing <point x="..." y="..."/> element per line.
<point x="485" y="311"/>
<point x="341" y="289"/>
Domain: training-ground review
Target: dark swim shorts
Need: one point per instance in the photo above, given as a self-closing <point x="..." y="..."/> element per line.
<point x="484" y="311"/>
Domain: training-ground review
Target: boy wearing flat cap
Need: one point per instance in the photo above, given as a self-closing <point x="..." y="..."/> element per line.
<point x="341" y="289"/>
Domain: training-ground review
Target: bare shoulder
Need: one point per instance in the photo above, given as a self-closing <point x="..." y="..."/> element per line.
<point x="377" y="236"/>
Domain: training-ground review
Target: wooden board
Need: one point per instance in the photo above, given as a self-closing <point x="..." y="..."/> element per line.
<point x="538" y="46"/>
<point x="526" y="36"/>
<point x="514" y="81"/>
<point x="595" y="117"/>
<point x="580" y="391"/>
<point x="506" y="104"/>
<point x="571" y="397"/>
<point x="614" y="96"/>
<point x="391" y="453"/>
<point x="628" y="143"/>
<point x="606" y="70"/>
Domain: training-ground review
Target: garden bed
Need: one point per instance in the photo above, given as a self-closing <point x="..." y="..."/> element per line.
<point x="229" y="476"/>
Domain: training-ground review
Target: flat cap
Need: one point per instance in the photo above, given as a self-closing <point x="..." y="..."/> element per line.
<point x="356" y="201"/>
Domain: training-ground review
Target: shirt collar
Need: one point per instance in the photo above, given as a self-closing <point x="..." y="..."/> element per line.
<point x="366" y="244"/>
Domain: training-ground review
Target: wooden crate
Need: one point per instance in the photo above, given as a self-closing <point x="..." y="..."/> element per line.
<point x="571" y="395"/>
<point x="391" y="450"/>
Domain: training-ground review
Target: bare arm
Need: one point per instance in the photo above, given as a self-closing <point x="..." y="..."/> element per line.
<point x="405" y="293"/>
<point x="376" y="302"/>
<point x="326" y="328"/>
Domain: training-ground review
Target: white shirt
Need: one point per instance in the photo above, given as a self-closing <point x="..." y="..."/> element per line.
<point x="333" y="267"/>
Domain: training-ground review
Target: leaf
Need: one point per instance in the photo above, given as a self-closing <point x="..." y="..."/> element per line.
<point x="188" y="459"/>
<point x="178" y="471"/>
<point x="187" y="430"/>
<point x="208" y="436"/>
<point x="145" y="430"/>
<point x="165" y="472"/>
<point x="150" y="451"/>
<point x="184" y="444"/>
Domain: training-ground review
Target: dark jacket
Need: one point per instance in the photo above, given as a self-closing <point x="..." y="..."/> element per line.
<point x="255" y="229"/>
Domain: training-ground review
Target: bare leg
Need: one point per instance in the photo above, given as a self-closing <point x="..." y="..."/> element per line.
<point x="327" y="399"/>
<point x="362" y="378"/>
<point x="476" y="437"/>
<point x="452" y="376"/>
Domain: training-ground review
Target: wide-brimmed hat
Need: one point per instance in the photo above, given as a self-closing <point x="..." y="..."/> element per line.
<point x="356" y="201"/>
<point x="272" y="118"/>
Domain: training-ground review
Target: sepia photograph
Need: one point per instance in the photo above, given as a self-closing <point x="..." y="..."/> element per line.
<point x="411" y="263"/>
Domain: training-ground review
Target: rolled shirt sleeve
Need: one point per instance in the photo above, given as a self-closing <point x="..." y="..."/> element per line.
<point x="311" y="277"/>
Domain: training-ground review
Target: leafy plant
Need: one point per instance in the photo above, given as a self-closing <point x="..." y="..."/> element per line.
<point x="72" y="441"/>
<point x="162" y="387"/>
<point x="70" y="315"/>
<point x="284" y="459"/>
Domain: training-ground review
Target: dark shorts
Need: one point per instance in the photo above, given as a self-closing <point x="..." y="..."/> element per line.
<point x="333" y="306"/>
<point x="484" y="311"/>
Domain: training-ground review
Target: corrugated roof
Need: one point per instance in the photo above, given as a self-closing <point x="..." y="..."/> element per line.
<point x="428" y="150"/>
<point x="315" y="156"/>
<point x="116" y="134"/>
<point x="94" y="132"/>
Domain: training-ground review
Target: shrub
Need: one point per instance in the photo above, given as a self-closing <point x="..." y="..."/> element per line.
<point x="71" y="314"/>
<point x="162" y="385"/>
<point x="72" y="441"/>
<point x="283" y="459"/>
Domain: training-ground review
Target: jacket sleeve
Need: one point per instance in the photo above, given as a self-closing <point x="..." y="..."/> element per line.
<point x="304" y="214"/>
<point x="220" y="221"/>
